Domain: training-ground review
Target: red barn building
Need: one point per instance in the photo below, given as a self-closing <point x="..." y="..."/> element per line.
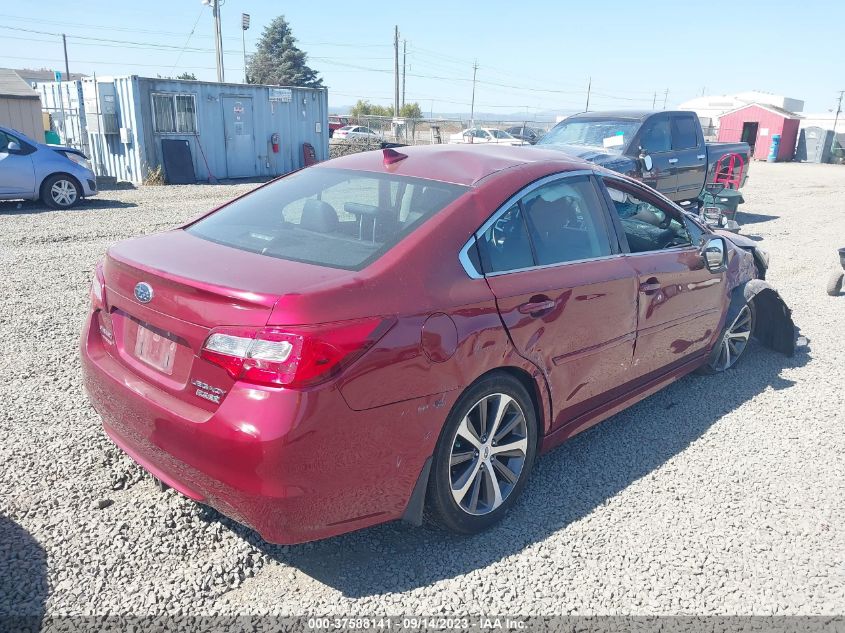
<point x="755" y="124"/>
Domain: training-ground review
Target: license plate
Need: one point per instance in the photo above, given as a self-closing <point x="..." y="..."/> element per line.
<point x="155" y="350"/>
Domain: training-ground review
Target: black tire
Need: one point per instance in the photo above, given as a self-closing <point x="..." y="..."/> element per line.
<point x="61" y="191"/>
<point x="442" y="506"/>
<point x="834" y="283"/>
<point x="716" y="360"/>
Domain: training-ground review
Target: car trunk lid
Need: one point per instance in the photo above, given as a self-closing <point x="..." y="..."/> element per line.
<point x="186" y="287"/>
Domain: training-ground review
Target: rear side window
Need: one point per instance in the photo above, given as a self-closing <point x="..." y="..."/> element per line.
<point x="330" y="217"/>
<point x="559" y="222"/>
<point x="565" y="222"/>
<point x="684" y="133"/>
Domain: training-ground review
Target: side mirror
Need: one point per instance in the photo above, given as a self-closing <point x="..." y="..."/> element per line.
<point x="714" y="252"/>
<point x="13" y="147"/>
<point x="646" y="160"/>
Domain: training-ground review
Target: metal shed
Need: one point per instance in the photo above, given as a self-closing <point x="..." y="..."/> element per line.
<point x="815" y="145"/>
<point x="20" y="105"/>
<point x="756" y="123"/>
<point x="229" y="128"/>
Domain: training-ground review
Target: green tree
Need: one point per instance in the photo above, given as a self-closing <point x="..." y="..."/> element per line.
<point x="362" y="108"/>
<point x="411" y="111"/>
<point x="278" y="60"/>
<point x="365" y="108"/>
<point x="187" y="75"/>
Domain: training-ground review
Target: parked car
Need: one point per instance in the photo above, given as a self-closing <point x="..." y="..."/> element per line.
<point x="666" y="150"/>
<point x="482" y="135"/>
<point x="337" y="122"/>
<point x="381" y="333"/>
<point x="525" y="133"/>
<point x="357" y="132"/>
<point x="29" y="170"/>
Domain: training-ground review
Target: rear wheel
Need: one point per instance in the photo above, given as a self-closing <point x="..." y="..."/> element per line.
<point x="834" y="283"/>
<point x="60" y="192"/>
<point x="732" y="342"/>
<point x="484" y="455"/>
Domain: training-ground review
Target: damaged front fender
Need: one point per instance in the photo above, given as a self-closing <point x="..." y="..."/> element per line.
<point x="774" y="327"/>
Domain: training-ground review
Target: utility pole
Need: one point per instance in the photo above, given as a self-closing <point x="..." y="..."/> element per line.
<point x="654" y="100"/>
<point x="67" y="68"/>
<point x="836" y="120"/>
<point x="589" y="88"/>
<point x="472" y="104"/>
<point x="218" y="35"/>
<point x="396" y="71"/>
<point x="665" y="97"/>
<point x="244" y="27"/>
<point x="404" y="64"/>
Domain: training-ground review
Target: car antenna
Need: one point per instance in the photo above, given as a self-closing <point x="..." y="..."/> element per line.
<point x="392" y="156"/>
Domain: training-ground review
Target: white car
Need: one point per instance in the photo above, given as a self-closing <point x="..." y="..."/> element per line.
<point x="357" y="132"/>
<point x="485" y="135"/>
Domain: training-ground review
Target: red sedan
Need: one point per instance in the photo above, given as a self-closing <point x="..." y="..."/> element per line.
<point x="391" y="331"/>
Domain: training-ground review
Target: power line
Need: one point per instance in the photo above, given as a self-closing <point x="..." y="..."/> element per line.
<point x="188" y="41"/>
<point x="103" y="27"/>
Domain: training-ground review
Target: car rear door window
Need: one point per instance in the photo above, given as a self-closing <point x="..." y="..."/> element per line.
<point x="561" y="221"/>
<point x="565" y="222"/>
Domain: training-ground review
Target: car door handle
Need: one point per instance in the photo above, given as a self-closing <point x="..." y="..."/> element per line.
<point x="672" y="161"/>
<point x="533" y="307"/>
<point x="649" y="287"/>
<point x="702" y="156"/>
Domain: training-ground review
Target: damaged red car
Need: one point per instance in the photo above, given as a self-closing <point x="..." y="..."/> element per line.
<point x="393" y="331"/>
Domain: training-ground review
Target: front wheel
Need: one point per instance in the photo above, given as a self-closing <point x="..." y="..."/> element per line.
<point x="733" y="341"/>
<point x="60" y="192"/>
<point x="484" y="455"/>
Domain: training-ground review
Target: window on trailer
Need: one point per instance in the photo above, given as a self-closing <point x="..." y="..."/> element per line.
<point x="174" y="113"/>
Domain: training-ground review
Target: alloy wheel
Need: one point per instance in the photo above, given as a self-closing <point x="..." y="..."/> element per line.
<point x="63" y="193"/>
<point x="488" y="454"/>
<point x="735" y="339"/>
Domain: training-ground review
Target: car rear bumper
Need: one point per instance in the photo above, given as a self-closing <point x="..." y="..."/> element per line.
<point x="293" y="465"/>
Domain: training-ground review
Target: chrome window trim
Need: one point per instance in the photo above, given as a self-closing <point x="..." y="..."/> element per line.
<point x="557" y="265"/>
<point x="463" y="255"/>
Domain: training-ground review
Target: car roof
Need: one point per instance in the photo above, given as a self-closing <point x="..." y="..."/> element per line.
<point x="634" y="115"/>
<point x="457" y="164"/>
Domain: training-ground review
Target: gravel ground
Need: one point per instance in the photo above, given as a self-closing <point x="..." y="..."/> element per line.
<point x="719" y="495"/>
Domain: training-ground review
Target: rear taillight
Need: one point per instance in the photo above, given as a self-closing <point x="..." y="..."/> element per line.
<point x="98" y="284"/>
<point x="292" y="356"/>
<point x="105" y="324"/>
<point x="98" y="302"/>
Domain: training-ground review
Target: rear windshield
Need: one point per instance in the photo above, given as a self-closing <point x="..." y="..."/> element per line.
<point x="331" y="217"/>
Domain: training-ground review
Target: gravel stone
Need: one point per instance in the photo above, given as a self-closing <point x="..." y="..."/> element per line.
<point x="717" y="495"/>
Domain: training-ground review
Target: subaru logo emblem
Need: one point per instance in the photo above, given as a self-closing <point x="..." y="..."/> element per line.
<point x="143" y="292"/>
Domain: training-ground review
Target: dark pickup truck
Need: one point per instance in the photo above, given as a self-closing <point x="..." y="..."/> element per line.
<point x="666" y="149"/>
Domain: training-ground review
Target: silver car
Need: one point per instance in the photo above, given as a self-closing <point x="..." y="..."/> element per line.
<point x="29" y="170"/>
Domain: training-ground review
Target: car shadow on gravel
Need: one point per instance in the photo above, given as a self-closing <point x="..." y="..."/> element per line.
<point x="743" y="217"/>
<point x="23" y="579"/>
<point x="566" y="485"/>
<point x="30" y="207"/>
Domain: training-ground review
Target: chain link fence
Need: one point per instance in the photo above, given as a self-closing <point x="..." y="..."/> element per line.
<point x="386" y="132"/>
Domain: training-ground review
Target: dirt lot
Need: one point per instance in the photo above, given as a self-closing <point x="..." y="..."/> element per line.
<point x="717" y="495"/>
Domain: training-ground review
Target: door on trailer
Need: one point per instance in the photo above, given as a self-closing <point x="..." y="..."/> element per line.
<point x="240" y="139"/>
